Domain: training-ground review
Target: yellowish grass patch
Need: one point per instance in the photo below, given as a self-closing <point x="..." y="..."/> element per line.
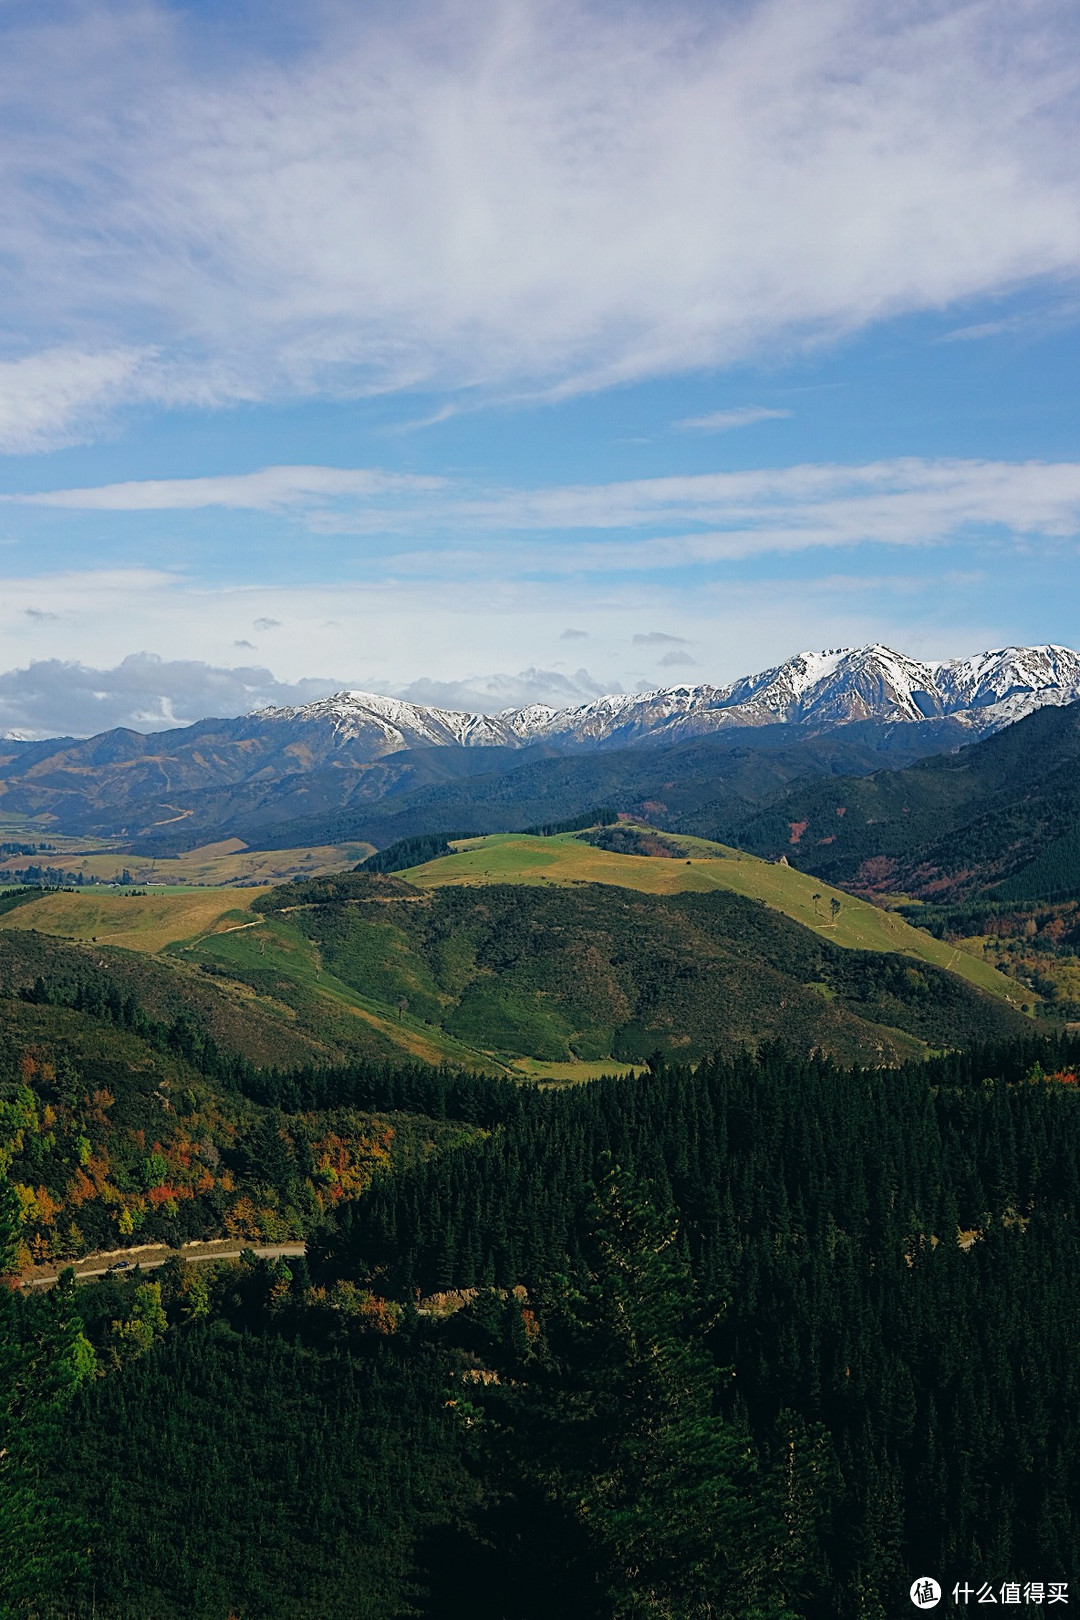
<point x="145" y="923"/>
<point x="227" y="862"/>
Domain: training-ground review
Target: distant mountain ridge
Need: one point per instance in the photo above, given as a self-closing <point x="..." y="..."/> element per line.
<point x="338" y="767"/>
<point x="818" y="689"/>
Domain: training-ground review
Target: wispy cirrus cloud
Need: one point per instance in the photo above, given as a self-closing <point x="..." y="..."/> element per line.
<point x="54" y="396"/>
<point x="506" y="197"/>
<point x="725" y="421"/>
<point x="267" y="490"/>
<point x="638" y="524"/>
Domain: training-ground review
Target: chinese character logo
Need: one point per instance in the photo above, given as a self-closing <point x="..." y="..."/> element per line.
<point x="925" y="1592"/>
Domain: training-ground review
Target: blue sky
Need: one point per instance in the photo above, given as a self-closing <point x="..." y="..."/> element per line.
<point x="503" y="351"/>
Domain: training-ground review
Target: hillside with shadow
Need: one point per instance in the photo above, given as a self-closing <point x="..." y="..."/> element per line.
<point x="1004" y="811"/>
<point x="554" y="973"/>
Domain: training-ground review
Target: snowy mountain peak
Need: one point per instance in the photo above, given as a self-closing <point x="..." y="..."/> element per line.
<point x="1022" y="677"/>
<point x="819" y="690"/>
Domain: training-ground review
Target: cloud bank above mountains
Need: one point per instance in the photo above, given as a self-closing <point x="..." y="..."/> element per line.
<point x="507" y="195"/>
<point x="401" y="579"/>
<point x="54" y="698"/>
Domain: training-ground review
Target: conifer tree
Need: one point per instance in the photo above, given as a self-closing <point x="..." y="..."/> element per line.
<point x="666" y="1489"/>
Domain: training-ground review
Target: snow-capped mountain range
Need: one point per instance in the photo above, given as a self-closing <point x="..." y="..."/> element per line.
<point x="817" y="690"/>
<point x="331" y="766"/>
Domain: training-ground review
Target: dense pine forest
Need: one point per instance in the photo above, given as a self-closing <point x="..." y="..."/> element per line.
<point x="761" y="1337"/>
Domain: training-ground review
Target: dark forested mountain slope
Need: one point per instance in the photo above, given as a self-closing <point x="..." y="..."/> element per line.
<point x="207" y="775"/>
<point x="237" y="778"/>
<point x="755" y="1339"/>
<point x="1002" y="811"/>
<point x="694" y="786"/>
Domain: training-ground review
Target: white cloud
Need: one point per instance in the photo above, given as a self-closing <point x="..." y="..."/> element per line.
<point x="639" y="524"/>
<point x="1036" y="319"/>
<point x="269" y="489"/>
<point x="58" y="697"/>
<point x="725" y="421"/>
<point x="57" y="395"/>
<point x="511" y="195"/>
<point x="488" y="694"/>
<point x="903" y="502"/>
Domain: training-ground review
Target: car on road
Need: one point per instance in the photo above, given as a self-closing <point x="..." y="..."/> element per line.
<point x="120" y="1265"/>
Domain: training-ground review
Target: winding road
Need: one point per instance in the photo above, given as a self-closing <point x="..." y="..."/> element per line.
<point x="153" y="1255"/>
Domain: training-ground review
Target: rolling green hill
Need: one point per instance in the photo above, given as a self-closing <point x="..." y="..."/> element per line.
<point x="138" y="922"/>
<point x="541" y="956"/>
<point x="581" y="969"/>
<point x="698" y="865"/>
<point x="264" y="996"/>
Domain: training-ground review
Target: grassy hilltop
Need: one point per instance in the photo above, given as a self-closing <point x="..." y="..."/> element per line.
<point x="554" y="950"/>
<point x="701" y="866"/>
<point x="544" y="955"/>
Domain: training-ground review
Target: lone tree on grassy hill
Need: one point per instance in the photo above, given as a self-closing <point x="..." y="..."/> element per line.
<point x="816" y="898"/>
<point x="834" y="907"/>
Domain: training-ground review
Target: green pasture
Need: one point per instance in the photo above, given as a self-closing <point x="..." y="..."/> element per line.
<point x="572" y="1073"/>
<point x="217" y="927"/>
<point x="383" y="980"/>
<point x="281" y="962"/>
